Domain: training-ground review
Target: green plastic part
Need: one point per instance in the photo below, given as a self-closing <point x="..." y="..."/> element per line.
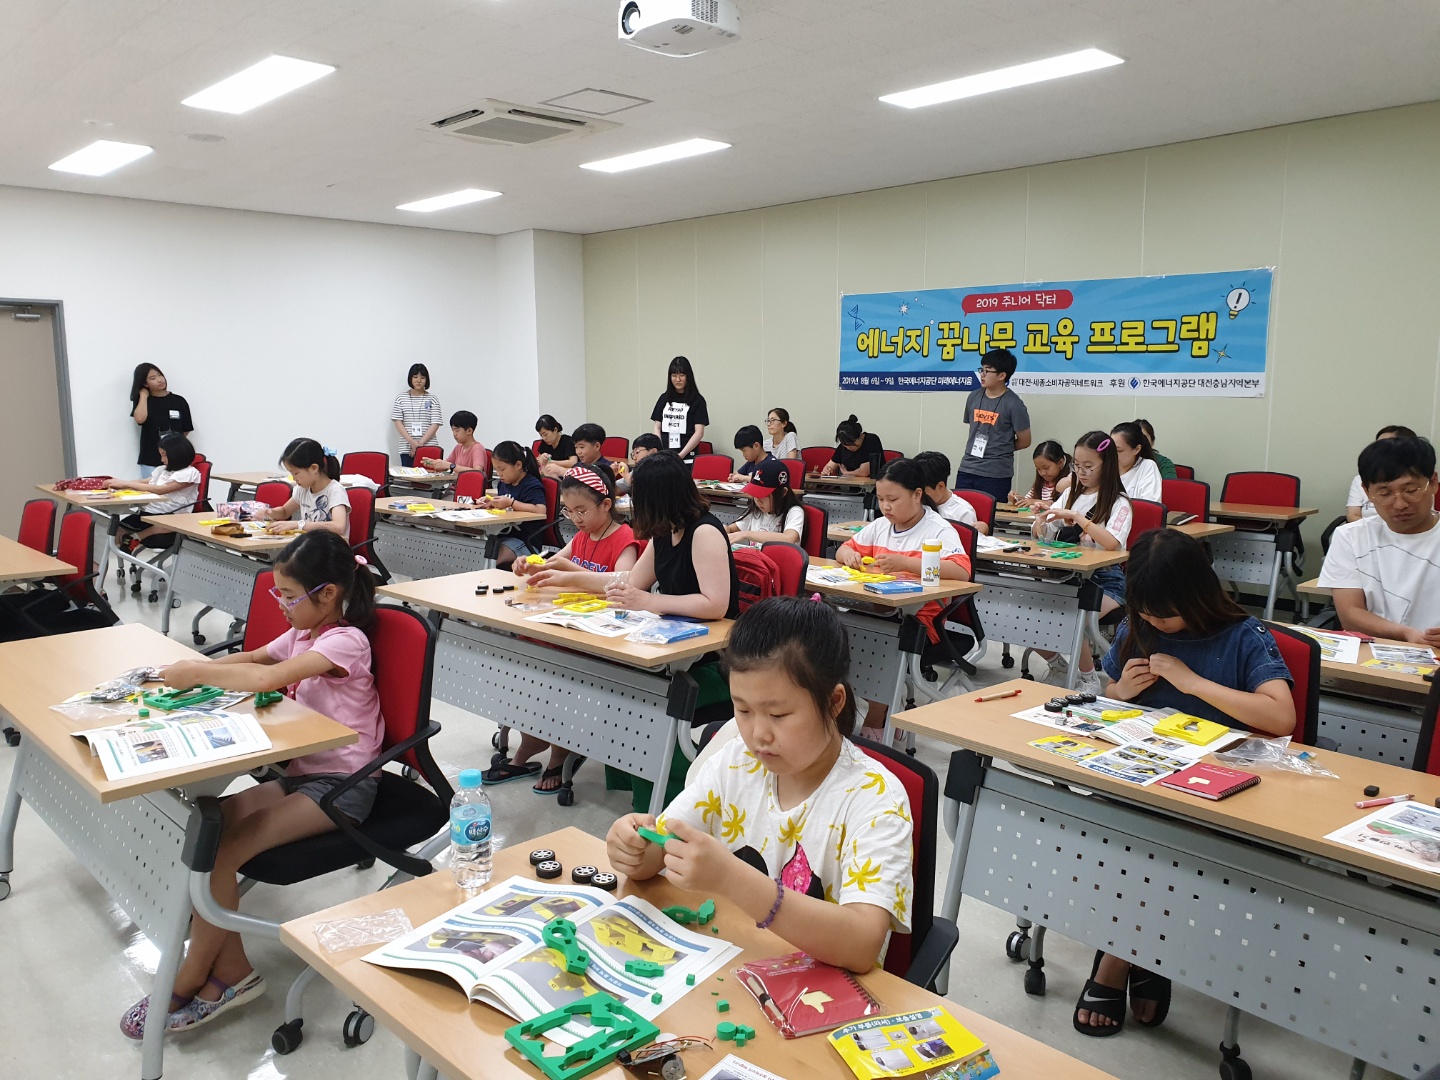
<point x="172" y="700"/>
<point x="653" y="835"/>
<point x="619" y="1028"/>
<point x="706" y="911"/>
<point x="559" y="934"/>
<point x="143" y="714"/>
<point x="714" y="929"/>
<point x="722" y="1005"/>
<point x="687" y="916"/>
<point x="267" y="697"/>
<point x="725" y="1030"/>
<point x="656" y="998"/>
<point x="740" y="1039"/>
<point x="689" y="980"/>
<point x="646" y="969"/>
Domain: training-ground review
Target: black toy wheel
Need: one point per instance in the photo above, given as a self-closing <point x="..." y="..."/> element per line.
<point x="1015" y="945"/>
<point x="359" y="1026"/>
<point x="286" y="1038"/>
<point x="1035" y="981"/>
<point x="1234" y="1069"/>
<point x="565" y="797"/>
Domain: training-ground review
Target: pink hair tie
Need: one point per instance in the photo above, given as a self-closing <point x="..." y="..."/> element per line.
<point x="1104" y="445"/>
<point x="816" y="598"/>
<point x="360" y="561"/>
<point x="590" y="478"/>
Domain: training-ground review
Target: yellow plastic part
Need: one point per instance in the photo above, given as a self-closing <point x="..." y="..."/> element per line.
<point x="585" y="607"/>
<point x="1191" y="729"/>
<point x="1111" y="715"/>
<point x="535" y="560"/>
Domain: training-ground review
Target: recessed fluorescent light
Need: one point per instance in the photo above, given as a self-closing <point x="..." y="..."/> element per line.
<point x="257" y="84"/>
<point x="641" y="158"/>
<point x="101" y="157"/>
<point x="444" y="202"/>
<point x="1057" y="67"/>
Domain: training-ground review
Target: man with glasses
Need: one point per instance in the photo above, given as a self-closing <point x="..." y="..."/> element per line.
<point x="999" y="425"/>
<point x="1385" y="570"/>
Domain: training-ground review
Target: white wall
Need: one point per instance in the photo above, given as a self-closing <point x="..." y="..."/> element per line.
<point x="271" y="326"/>
<point x="560" y="326"/>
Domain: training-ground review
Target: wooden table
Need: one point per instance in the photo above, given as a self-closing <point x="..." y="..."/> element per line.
<point x="21" y="563"/>
<point x="619" y="702"/>
<point x="1252" y="556"/>
<point x="422" y="546"/>
<point x="885" y="641"/>
<point x="217" y="572"/>
<point x="251" y="480"/>
<point x="1021" y="520"/>
<point x="1219" y="895"/>
<point x="105" y="504"/>
<point x="465" y="1041"/>
<point x="127" y="833"/>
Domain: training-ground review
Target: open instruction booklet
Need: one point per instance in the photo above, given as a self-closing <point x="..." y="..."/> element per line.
<point x="165" y="741"/>
<point x="1142" y="756"/>
<point x="492" y="947"/>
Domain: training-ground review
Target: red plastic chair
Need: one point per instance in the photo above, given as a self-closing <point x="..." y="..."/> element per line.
<point x="472" y="484"/>
<point x="69" y="602"/>
<point x="712" y="467"/>
<point x="199" y="457"/>
<point x="372" y="463"/>
<point x="1184" y="472"/>
<point x="550" y="536"/>
<point x="983" y="503"/>
<point x="265" y="620"/>
<point x="202" y="501"/>
<point x="793" y="563"/>
<point x="704" y="447"/>
<point x="795" y="468"/>
<point x="615" y="448"/>
<point x="919" y="956"/>
<point x="816" y="457"/>
<point x="1427" y="747"/>
<point x="362" y="529"/>
<point x="1148" y="515"/>
<point x="1301" y="654"/>
<point x="428" y="452"/>
<point x="1187" y="497"/>
<point x="37" y="525"/>
<point x="1261" y="489"/>
<point x="817" y="525"/>
<point x="274" y="493"/>
<point x="892" y="455"/>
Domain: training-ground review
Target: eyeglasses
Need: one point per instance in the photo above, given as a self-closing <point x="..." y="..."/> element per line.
<point x="575" y="515"/>
<point x="1087" y="469"/>
<point x="289" y="605"/>
<point x="1414" y="493"/>
<point x="987" y="371"/>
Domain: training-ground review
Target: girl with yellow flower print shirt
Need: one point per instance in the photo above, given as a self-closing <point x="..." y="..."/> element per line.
<point x="791" y="822"/>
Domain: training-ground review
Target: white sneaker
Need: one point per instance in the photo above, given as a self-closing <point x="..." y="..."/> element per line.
<point x="1091" y="682"/>
<point x="1057" y="674"/>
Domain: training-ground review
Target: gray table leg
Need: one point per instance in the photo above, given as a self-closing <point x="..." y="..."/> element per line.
<point x="10" y="818"/>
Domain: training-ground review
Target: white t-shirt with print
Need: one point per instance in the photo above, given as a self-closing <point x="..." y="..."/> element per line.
<point x="1122" y="516"/>
<point x="787" y="447"/>
<point x="317" y="506"/>
<point x="957" y="509"/>
<point x="1357" y="497"/>
<point x="853" y="833"/>
<point x="182" y="499"/>
<point x="1143" y="481"/>
<point x="1398" y="572"/>
<point x="755" y="521"/>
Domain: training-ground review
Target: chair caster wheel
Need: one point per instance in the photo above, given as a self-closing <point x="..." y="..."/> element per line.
<point x="359" y="1026"/>
<point x="12" y="738"/>
<point x="199" y="639"/>
<point x="1234" y="1069"/>
<point x="134" y="587"/>
<point x="175" y="601"/>
<point x="1007" y="662"/>
<point x="496" y="760"/>
<point x="4" y="888"/>
<point x="286" y="1038"/>
<point x="565" y="796"/>
<point x="1027" y="675"/>
<point x="154" y="595"/>
<point x="1035" y="981"/>
<point x="365" y="864"/>
<point x="1015" y="945"/>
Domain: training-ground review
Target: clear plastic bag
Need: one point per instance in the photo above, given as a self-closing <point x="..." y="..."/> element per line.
<point x="377" y="929"/>
<point x="665" y="631"/>
<point x="1274" y="754"/>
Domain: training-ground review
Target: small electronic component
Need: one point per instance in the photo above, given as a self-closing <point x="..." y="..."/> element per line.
<point x="482" y="590"/>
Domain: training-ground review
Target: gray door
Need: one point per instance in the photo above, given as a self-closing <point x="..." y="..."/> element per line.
<point x="31" y="436"/>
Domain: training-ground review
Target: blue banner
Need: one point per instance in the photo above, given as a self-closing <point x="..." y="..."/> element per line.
<point x="1203" y="335"/>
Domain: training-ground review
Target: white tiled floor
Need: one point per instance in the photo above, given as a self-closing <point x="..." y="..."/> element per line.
<point x="71" y="962"/>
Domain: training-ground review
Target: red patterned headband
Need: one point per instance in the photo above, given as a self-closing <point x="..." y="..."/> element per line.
<point x="590" y="478"/>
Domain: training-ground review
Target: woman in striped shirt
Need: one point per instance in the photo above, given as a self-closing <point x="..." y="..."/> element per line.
<point x="416" y="415"/>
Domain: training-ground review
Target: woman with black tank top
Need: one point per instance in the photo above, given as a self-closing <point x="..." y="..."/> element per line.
<point x="688" y="562"/>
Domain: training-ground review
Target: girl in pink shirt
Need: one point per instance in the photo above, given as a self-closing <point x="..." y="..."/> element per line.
<point x="323" y="661"/>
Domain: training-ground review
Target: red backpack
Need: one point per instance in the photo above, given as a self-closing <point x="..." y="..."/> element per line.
<point x="758" y="575"/>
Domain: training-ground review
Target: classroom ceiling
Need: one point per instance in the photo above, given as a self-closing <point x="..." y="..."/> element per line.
<point x="796" y="96"/>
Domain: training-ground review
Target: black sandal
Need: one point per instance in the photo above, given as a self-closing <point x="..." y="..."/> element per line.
<point x="1108" y="1001"/>
<point x="549" y="774"/>
<point x="507" y="770"/>
<point x="1147" y="986"/>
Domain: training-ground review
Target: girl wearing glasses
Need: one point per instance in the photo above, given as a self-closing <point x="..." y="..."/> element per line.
<point x="324" y="662"/>
<point x="600" y="548"/>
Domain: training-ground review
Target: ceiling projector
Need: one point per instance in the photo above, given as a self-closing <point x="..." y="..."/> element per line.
<point x="678" y="27"/>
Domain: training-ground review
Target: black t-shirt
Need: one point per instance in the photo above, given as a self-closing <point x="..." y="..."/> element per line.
<point x="164" y="414"/>
<point x="564" y="450"/>
<point x="675" y="564"/>
<point x="678" y="419"/>
<point x="852" y="459"/>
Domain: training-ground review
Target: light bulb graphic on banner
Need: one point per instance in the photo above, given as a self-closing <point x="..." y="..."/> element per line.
<point x="1237" y="300"/>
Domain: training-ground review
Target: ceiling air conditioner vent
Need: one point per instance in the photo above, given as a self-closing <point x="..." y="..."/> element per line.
<point x="507" y="124"/>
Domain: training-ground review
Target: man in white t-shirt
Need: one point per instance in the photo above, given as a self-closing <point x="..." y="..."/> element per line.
<point x="1384" y="571"/>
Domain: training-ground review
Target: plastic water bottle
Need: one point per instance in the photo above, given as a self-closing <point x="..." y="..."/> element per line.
<point x="470" y="838"/>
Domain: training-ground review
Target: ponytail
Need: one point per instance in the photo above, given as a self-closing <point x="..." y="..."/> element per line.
<point x="303" y="453"/>
<point x="512" y="453"/>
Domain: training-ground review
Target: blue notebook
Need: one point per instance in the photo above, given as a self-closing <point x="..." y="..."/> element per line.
<point x="893" y="588"/>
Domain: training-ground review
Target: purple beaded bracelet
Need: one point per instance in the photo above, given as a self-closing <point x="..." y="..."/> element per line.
<point x="779" y="898"/>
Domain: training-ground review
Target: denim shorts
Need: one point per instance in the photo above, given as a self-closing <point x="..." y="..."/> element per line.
<point x="1111" y="580"/>
<point x="515" y="545"/>
<point x="355" y="804"/>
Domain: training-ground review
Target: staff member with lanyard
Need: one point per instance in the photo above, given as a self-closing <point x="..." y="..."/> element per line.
<point x="680" y="413"/>
<point x="157" y="411"/>
<point x="416" y="415"/>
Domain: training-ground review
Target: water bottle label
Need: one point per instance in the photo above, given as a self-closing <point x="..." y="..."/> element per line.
<point x="477" y="831"/>
<point x="469" y="825"/>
